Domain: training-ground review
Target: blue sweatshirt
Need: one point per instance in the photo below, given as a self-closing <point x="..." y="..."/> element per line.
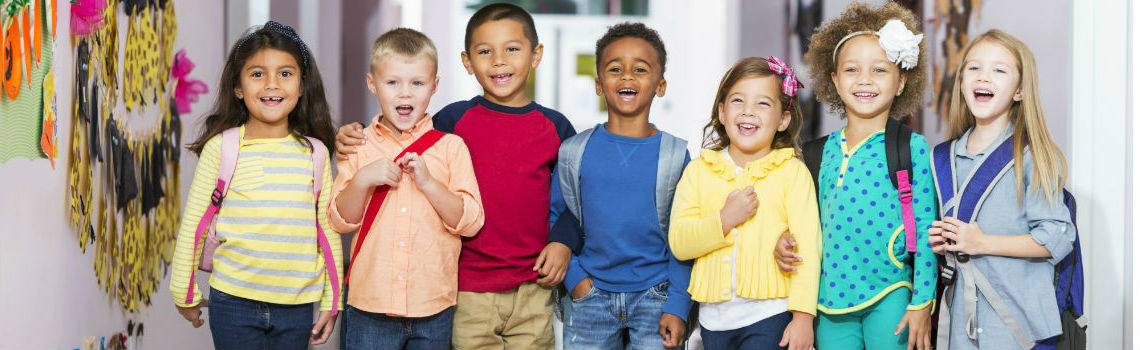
<point x="623" y="249"/>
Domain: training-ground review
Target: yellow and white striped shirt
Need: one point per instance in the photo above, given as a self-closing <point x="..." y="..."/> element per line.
<point x="269" y="249"/>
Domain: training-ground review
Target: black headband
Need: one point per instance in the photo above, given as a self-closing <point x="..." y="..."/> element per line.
<point x="283" y="30"/>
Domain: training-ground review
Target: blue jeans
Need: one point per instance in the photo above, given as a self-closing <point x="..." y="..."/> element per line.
<point x="366" y="330"/>
<point x="240" y="323"/>
<point x="603" y="320"/>
<point x="765" y="334"/>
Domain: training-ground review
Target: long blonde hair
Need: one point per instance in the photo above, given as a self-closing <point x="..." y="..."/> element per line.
<point x="1050" y="169"/>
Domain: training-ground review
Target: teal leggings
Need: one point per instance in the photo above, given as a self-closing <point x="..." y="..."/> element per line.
<point x="869" y="328"/>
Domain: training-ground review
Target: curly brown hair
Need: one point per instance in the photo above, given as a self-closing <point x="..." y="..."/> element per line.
<point x="861" y="17"/>
<point x="716" y="137"/>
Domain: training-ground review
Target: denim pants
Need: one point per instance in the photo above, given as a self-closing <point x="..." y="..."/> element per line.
<point x="366" y="330"/>
<point x="604" y="320"/>
<point x="764" y="334"/>
<point x="240" y="323"/>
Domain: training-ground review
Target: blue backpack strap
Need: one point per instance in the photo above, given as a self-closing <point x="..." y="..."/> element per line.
<point x="979" y="184"/>
<point x="942" y="164"/>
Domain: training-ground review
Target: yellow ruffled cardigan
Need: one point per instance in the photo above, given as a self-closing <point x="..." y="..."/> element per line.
<point x="787" y="203"/>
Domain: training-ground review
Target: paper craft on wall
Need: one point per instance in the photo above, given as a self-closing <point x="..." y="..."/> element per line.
<point x="25" y="64"/>
<point x="123" y="187"/>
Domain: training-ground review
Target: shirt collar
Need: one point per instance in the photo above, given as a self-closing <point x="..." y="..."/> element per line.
<point x="960" y="146"/>
<point x="382" y="132"/>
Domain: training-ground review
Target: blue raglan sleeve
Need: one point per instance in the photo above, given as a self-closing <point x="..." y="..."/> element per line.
<point x="679" y="302"/>
<point x="925" y="206"/>
<point x="447" y="117"/>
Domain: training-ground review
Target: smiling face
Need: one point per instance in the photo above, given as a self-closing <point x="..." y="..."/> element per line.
<point x="501" y="58"/>
<point x="752" y="114"/>
<point x="630" y="75"/>
<point x="991" y="81"/>
<point x="270" y="88"/>
<point x="403" y="87"/>
<point x="866" y="81"/>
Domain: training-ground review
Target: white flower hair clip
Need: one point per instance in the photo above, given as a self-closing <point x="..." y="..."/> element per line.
<point x="901" y="45"/>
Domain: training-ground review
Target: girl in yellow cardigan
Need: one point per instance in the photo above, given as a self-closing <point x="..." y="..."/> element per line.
<point x="734" y="202"/>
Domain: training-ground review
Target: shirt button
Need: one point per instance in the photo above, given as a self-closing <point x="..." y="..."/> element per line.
<point x="733" y="231"/>
<point x="726" y="260"/>
<point x="726" y="291"/>
<point x="403" y="210"/>
<point x="979" y="330"/>
<point x="400" y="277"/>
<point x="401" y="244"/>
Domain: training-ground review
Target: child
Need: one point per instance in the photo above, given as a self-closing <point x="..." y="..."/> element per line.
<point x="1022" y="228"/>
<point x="404" y="272"/>
<point x="510" y="266"/>
<point x="271" y="264"/>
<point x="878" y="278"/>
<point x="719" y="221"/>
<point x="618" y="180"/>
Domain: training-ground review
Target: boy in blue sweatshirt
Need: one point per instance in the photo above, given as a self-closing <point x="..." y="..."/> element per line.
<point x="618" y="180"/>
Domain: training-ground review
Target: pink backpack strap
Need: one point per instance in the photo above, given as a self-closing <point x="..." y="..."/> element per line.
<point x="231" y="142"/>
<point x="320" y="155"/>
<point x="905" y="199"/>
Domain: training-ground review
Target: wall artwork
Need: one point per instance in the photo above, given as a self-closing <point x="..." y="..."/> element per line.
<point x="954" y="18"/>
<point x="27" y="121"/>
<point x="123" y="188"/>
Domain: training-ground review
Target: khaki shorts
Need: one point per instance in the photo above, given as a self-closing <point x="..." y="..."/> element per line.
<point x="520" y="318"/>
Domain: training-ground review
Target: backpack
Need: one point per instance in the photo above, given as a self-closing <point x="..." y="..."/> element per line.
<point x="231" y="142"/>
<point x="1068" y="275"/>
<point x="897" y="142"/>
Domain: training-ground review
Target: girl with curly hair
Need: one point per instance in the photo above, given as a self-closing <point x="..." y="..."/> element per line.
<point x="878" y="273"/>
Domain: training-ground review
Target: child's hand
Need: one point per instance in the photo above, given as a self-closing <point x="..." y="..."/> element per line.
<point x="968" y="238"/>
<point x="323" y="328"/>
<point x="672" y="330"/>
<point x="918" y="321"/>
<point x="380" y="172"/>
<point x="785" y="252"/>
<point x="937" y="241"/>
<point x="798" y="335"/>
<point x="552" y="263"/>
<point x="347" y="138"/>
<point x="194" y="313"/>
<point x="738" y="207"/>
<point x="415" y="166"/>
<point x="582" y="288"/>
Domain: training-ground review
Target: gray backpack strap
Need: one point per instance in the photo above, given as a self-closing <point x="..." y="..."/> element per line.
<point x="670" y="165"/>
<point x="973" y="282"/>
<point x="570" y="169"/>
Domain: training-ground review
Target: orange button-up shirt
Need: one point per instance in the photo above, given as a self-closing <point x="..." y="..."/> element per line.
<point x="408" y="263"/>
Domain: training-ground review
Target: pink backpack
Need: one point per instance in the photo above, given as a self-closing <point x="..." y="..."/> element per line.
<point x="231" y="142"/>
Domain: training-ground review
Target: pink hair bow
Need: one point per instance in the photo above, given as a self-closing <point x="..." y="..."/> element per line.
<point x="790" y="83"/>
